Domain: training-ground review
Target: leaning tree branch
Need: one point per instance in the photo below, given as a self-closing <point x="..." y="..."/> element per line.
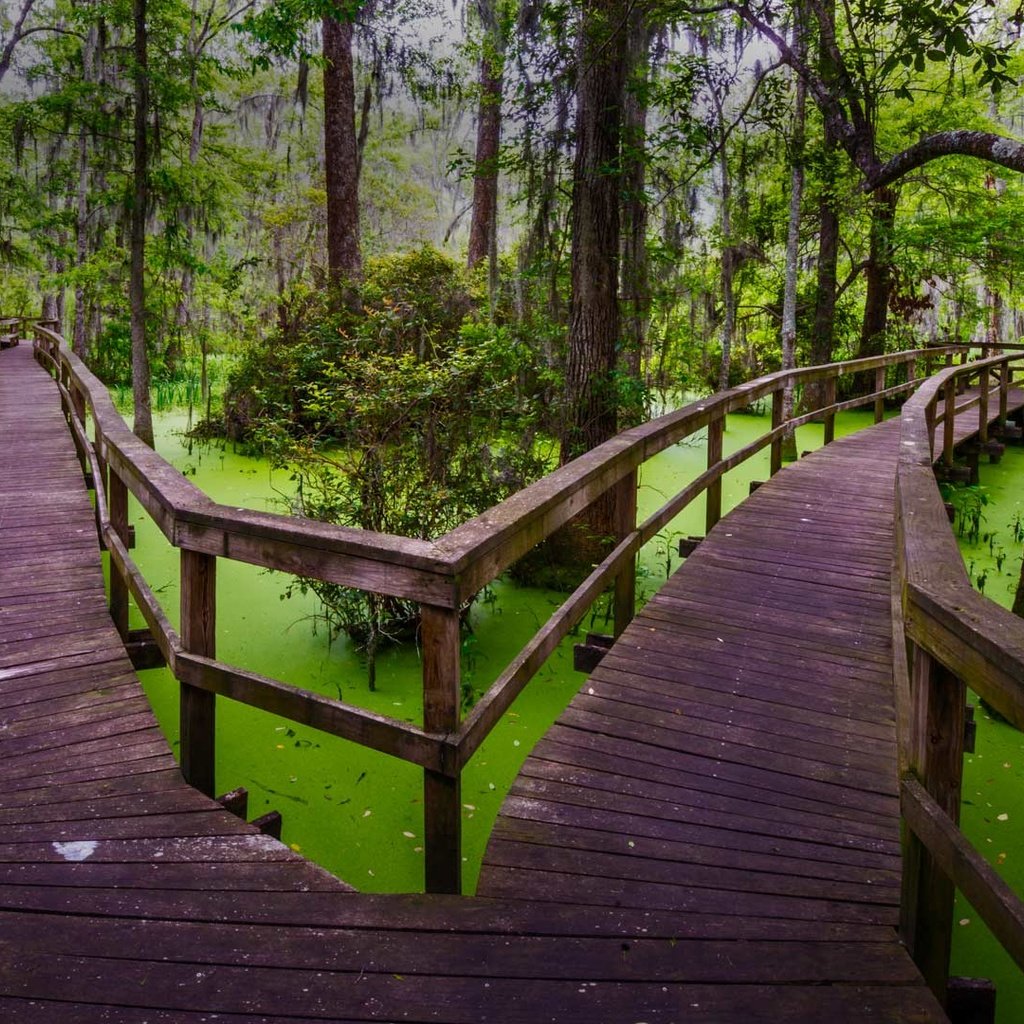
<point x="995" y="149"/>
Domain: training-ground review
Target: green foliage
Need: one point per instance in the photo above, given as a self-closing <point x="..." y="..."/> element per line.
<point x="968" y="504"/>
<point x="407" y="418"/>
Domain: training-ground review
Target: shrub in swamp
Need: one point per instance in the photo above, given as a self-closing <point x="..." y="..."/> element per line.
<point x="409" y="419"/>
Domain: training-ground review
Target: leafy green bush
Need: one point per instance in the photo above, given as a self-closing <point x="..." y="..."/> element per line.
<point x="407" y="417"/>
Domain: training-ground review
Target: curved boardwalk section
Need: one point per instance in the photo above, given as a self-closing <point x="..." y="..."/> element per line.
<point x="709" y="832"/>
<point x="735" y="752"/>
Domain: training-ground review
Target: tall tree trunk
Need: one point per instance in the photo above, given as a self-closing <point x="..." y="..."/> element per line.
<point x="796" y="195"/>
<point x="635" y="271"/>
<point x="591" y="395"/>
<point x="483" y="228"/>
<point x="137" y="245"/>
<point x="590" y="399"/>
<point x="341" y="154"/>
<point x="729" y="254"/>
<point x="878" y="274"/>
<point x="823" y="328"/>
<point x="79" y="342"/>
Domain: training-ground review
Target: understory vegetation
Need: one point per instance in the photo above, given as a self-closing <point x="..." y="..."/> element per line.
<point x="428" y="251"/>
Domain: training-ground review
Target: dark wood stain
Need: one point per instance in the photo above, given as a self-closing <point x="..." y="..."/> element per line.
<point x="710" y="831"/>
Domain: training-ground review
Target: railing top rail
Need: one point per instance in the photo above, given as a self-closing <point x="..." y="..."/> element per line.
<point x="978" y="640"/>
<point x="452" y="568"/>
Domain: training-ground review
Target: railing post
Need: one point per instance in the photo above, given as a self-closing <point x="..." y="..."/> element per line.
<point x="830" y="417"/>
<point x="716" y="429"/>
<point x="117" y="509"/>
<point x="983" y="387"/>
<point x="625" y="524"/>
<point x="198" y="636"/>
<point x="961" y="381"/>
<point x="77" y="401"/>
<point x="778" y="399"/>
<point x="937" y="748"/>
<point x="442" y="808"/>
<point x="948" y="420"/>
<point x="1004" y="389"/>
<point x="879" y="398"/>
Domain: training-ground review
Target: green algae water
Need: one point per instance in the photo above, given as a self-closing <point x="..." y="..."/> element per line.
<point x="356" y="812"/>
<point x="992" y="808"/>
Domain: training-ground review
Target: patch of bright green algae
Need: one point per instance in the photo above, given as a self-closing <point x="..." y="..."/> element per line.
<point x="356" y="812"/>
<point x="992" y="808"/>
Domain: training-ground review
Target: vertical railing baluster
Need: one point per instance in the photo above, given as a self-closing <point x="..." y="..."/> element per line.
<point x="117" y="509"/>
<point x="936" y="751"/>
<point x="948" y="421"/>
<point x="625" y="524"/>
<point x="778" y="398"/>
<point x="198" y="636"/>
<point x="1004" y="393"/>
<point x="716" y="429"/>
<point x="983" y="388"/>
<point x="830" y="417"/>
<point x="442" y="694"/>
<point x="879" y="397"/>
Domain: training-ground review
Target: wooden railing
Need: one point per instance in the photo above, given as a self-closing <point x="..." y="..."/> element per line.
<point x="440" y="575"/>
<point x="947" y="637"/>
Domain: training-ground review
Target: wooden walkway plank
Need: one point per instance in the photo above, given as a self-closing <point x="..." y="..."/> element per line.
<point x="707" y="833"/>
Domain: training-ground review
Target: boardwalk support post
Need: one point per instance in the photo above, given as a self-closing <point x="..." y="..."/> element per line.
<point x="830" y="417"/>
<point x="938" y="700"/>
<point x="1004" y="388"/>
<point x="776" y="460"/>
<point x="442" y="807"/>
<point x="198" y="636"/>
<point x="879" y="397"/>
<point x="948" y="421"/>
<point x="716" y="429"/>
<point x="625" y="524"/>
<point x="117" y="508"/>
<point x="983" y="386"/>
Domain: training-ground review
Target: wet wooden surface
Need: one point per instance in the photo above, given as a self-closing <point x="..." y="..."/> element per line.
<point x="708" y="833"/>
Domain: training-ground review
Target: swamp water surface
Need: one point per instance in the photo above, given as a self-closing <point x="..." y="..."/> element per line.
<point x="358" y="813"/>
<point x="354" y="811"/>
<point x="992" y="808"/>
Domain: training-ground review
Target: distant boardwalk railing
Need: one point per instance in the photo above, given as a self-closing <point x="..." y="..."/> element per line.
<point x="444" y="574"/>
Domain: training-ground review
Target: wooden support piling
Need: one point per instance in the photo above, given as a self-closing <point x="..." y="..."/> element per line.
<point x="716" y="429"/>
<point x="948" y="423"/>
<point x="983" y="388"/>
<point x="442" y="821"/>
<point x="938" y="700"/>
<point x="198" y="636"/>
<point x="830" y="417"/>
<point x="625" y="524"/>
<point x="117" y="506"/>
<point x="776" y="457"/>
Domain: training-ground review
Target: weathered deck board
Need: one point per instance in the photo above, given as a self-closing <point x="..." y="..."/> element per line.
<point x="706" y="834"/>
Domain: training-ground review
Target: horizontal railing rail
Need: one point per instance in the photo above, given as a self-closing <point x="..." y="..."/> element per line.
<point x="947" y="637"/>
<point x="441" y="575"/>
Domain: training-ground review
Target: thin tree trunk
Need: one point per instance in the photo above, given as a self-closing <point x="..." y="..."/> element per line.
<point x="591" y="402"/>
<point x="635" y="271"/>
<point x="484" y="224"/>
<point x="79" y="342"/>
<point x="137" y="247"/>
<point x="878" y="274"/>
<point x="796" y="194"/>
<point x="341" y="154"/>
<point x="728" y="253"/>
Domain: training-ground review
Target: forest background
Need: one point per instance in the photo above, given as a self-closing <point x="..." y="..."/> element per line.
<point x="413" y="240"/>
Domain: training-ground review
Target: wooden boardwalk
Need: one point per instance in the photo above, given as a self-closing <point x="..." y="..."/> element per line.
<point x="709" y="832"/>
